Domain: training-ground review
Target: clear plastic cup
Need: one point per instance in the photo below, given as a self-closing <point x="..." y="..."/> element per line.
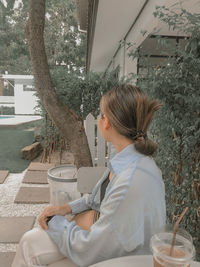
<point x="183" y="251"/>
<point x="63" y="184"/>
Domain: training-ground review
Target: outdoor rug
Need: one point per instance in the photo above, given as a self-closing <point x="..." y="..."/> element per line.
<point x="3" y="175"/>
<point x="33" y="195"/>
<point x="35" y="177"/>
<point x="12" y="228"/>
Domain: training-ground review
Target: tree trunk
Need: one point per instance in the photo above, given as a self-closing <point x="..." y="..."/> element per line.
<point x="69" y="123"/>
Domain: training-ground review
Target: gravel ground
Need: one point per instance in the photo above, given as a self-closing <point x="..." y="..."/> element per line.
<point x="8" y="208"/>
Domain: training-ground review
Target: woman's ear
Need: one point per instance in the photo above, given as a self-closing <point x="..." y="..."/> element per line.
<point x="107" y="123"/>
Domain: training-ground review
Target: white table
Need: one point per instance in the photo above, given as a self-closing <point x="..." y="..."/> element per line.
<point x="132" y="261"/>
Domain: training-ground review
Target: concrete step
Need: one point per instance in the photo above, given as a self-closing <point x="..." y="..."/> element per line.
<point x="12" y="228"/>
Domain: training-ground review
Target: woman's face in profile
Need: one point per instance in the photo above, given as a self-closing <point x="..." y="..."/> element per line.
<point x="104" y="125"/>
<point x="101" y="120"/>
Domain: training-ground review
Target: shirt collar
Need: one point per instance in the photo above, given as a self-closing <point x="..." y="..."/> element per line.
<point x="123" y="159"/>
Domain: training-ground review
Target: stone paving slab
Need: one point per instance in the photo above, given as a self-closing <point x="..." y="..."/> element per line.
<point x="38" y="166"/>
<point x="33" y="195"/>
<point x="12" y="228"/>
<point x="6" y="258"/>
<point x="3" y="175"/>
<point x="35" y="177"/>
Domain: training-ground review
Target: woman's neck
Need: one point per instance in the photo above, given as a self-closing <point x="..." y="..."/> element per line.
<point x="121" y="144"/>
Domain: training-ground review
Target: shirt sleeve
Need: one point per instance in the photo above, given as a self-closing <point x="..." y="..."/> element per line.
<point x="82" y="247"/>
<point x="81" y="204"/>
<point x="87" y="201"/>
<point x="88" y="247"/>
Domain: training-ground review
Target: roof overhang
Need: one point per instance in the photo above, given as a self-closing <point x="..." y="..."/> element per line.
<point x="19" y="79"/>
<point x="16" y="77"/>
<point x="110" y="21"/>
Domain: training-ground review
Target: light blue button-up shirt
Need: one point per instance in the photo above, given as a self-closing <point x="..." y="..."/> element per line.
<point x="132" y="210"/>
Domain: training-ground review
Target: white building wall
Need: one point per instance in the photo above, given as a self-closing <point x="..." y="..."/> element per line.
<point x="124" y="62"/>
<point x="25" y="101"/>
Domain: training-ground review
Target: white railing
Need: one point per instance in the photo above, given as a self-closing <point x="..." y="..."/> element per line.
<point x="99" y="148"/>
<point x="7" y="101"/>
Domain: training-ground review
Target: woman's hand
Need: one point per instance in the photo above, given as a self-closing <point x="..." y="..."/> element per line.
<point x="51" y="211"/>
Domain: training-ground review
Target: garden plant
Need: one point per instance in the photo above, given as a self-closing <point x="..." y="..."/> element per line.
<point x="176" y="84"/>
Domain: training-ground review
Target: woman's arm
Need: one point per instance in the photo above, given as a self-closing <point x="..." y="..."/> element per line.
<point x="87" y="247"/>
<point x="74" y="207"/>
<point x="81" y="204"/>
<point x="77" y="206"/>
<point x="82" y="246"/>
<point x="87" y="201"/>
<point x="52" y="211"/>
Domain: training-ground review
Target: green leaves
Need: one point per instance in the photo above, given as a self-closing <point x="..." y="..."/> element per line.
<point x="176" y="84"/>
<point x="82" y="93"/>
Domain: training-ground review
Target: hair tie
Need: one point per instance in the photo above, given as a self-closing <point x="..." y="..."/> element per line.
<point x="136" y="134"/>
<point x="142" y="134"/>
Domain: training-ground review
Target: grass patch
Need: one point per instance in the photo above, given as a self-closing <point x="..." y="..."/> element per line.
<point x="11" y="142"/>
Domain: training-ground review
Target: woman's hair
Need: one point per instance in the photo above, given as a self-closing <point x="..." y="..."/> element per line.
<point x="130" y="112"/>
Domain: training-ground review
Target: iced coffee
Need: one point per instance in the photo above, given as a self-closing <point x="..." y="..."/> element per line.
<point x="182" y="254"/>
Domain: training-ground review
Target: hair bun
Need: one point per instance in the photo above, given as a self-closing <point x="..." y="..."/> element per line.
<point x="146" y="147"/>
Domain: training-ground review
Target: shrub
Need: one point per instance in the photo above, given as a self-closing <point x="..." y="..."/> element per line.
<point x="176" y="83"/>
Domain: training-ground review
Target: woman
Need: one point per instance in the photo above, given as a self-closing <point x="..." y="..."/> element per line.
<point x="126" y="206"/>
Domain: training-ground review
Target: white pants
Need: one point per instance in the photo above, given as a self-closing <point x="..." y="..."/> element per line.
<point x="37" y="249"/>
